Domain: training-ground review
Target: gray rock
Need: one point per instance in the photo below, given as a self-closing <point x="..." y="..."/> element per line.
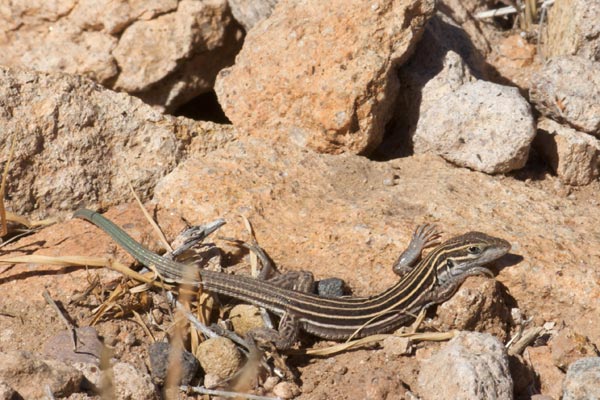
<point x="482" y="126"/>
<point x="331" y="287"/>
<point x="159" y="353"/>
<point x="573" y="155"/>
<point x="471" y="366"/>
<point x="583" y="380"/>
<point x="250" y="12"/>
<point x="89" y="346"/>
<point x="567" y="89"/>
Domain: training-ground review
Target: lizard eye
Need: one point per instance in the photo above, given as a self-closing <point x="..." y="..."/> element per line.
<point x="474" y="250"/>
<point x="449" y="264"/>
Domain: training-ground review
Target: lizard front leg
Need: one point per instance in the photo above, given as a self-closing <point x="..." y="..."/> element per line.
<point x="425" y="235"/>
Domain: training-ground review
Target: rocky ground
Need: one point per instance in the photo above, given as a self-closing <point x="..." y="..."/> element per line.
<point x="351" y="123"/>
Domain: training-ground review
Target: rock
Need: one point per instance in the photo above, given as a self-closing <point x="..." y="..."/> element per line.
<point x="582" y="380"/>
<point x="441" y="63"/>
<point x="180" y="53"/>
<point x="482" y="126"/>
<point x="250" y="12"/>
<point x="331" y="287"/>
<point x="394" y="346"/>
<point x="568" y="346"/>
<point x="567" y="89"/>
<point x="286" y="390"/>
<point x="89" y="346"/>
<point x="331" y="99"/>
<point x="132" y="383"/>
<point x="165" y="51"/>
<point x="478" y="305"/>
<point x="573" y="155"/>
<point x="472" y="365"/>
<point x="514" y="60"/>
<point x="74" y="141"/>
<point x="29" y="376"/>
<point x="219" y="356"/>
<point x="160" y="353"/>
<point x="245" y="317"/>
<point x="573" y="29"/>
<point x="550" y="377"/>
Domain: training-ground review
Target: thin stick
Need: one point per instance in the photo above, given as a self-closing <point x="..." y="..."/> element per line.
<point x="155" y="226"/>
<point x="223" y="393"/>
<point x="68" y="324"/>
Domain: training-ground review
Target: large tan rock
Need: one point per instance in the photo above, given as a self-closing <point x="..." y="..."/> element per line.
<point x="78" y="144"/>
<point x="165" y="52"/>
<point x="321" y="73"/>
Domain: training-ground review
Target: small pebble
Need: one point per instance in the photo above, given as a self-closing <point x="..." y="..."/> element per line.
<point x="159" y="363"/>
<point x="245" y="317"/>
<point x="286" y="390"/>
<point x="219" y="356"/>
<point x="270" y="383"/>
<point x="331" y="287"/>
<point x="394" y="346"/>
<point x="212" y="381"/>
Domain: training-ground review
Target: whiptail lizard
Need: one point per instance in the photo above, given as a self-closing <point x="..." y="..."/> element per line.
<point x="423" y="282"/>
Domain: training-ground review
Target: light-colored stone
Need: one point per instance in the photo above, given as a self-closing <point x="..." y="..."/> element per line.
<point x="219" y="356"/>
<point x="583" y="380"/>
<point x="395" y="346"/>
<point x="573" y="29"/>
<point x="166" y="52"/>
<point x="250" y="12"/>
<point x="245" y="317"/>
<point x="471" y="366"/>
<point x="321" y="73"/>
<point x="286" y="390"/>
<point x="482" y="126"/>
<point x="573" y="155"/>
<point x="568" y="89"/>
<point x="132" y="383"/>
<point x="19" y="369"/>
<point x="78" y="144"/>
<point x="442" y="62"/>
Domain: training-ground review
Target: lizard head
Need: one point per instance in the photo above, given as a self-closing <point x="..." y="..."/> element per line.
<point x="466" y="255"/>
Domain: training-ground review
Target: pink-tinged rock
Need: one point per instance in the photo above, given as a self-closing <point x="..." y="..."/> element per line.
<point x="321" y="73"/>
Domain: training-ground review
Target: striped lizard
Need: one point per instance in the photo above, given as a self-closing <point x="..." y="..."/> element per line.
<point x="424" y="281"/>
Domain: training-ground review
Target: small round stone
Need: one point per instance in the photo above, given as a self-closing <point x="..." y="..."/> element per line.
<point x="219" y="356"/>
